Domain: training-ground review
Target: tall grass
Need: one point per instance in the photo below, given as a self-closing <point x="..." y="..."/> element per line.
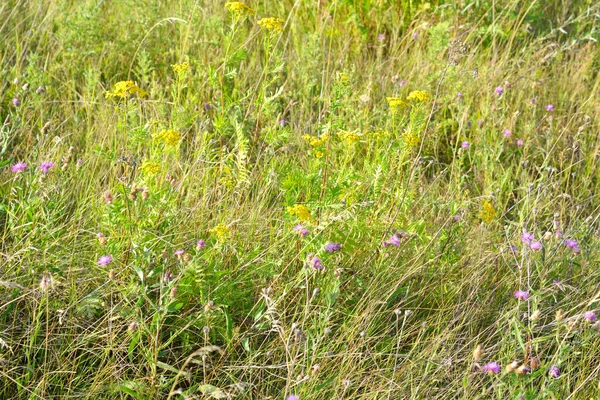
<point x="183" y="244"/>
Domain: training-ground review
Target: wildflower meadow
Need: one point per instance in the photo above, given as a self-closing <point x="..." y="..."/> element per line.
<point x="299" y="199"/>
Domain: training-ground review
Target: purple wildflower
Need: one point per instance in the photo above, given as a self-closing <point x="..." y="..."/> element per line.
<point x="550" y="108"/>
<point x="459" y="95"/>
<point x="532" y="100"/>
<point x="168" y="277"/>
<point x="554" y="371"/>
<point x="200" y="244"/>
<point x="394" y="240"/>
<point x="465" y="145"/>
<point x="492" y="368"/>
<point x="590" y="316"/>
<point x="457" y="218"/>
<point x="381" y="37"/>
<point x="45" y="166"/>
<point x="104" y="260"/>
<point x="332" y="247"/>
<point x="526" y="237"/>
<point x="315" y="262"/>
<point x="16" y="102"/>
<point x="499" y="90"/>
<point x="292" y="397"/>
<point x="506" y="133"/>
<point x="415" y="36"/>
<point x="402" y="83"/>
<point x="572" y="243"/>
<point x="519" y="142"/>
<point x="301" y="230"/>
<point x="521" y="295"/>
<point x="535" y="246"/>
<point x="282" y="122"/>
<point x="179" y="252"/>
<point x="480" y="123"/>
<point x="18" y="167"/>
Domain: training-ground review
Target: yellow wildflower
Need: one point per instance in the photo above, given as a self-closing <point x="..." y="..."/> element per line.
<point x="396" y="103"/>
<point x="150" y="168"/>
<point x="125" y="89"/>
<point x="348" y="137"/>
<point x="343" y="78"/>
<point x="300" y="211"/>
<point x="170" y="137"/>
<point x="488" y="212"/>
<point x="315" y="140"/>
<point x="180" y="69"/>
<point x="238" y="9"/>
<point x="419" y="96"/>
<point x="227" y="181"/>
<point x="411" y="139"/>
<point x="221" y="231"/>
<point x="272" y="24"/>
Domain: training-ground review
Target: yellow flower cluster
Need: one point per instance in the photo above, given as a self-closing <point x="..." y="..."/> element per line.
<point x="150" y="168"/>
<point x="396" y="103"/>
<point x="170" y="137"/>
<point x="221" y="231"/>
<point x="488" y="212"/>
<point x="300" y="211"/>
<point x="227" y="181"/>
<point x="348" y="137"/>
<point x="418" y="96"/>
<point x="125" y="89"/>
<point x="343" y="78"/>
<point x="315" y="141"/>
<point x="411" y="139"/>
<point x="180" y="69"/>
<point x="271" y="24"/>
<point x="238" y="9"/>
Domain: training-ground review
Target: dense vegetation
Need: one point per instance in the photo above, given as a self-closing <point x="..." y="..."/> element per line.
<point x="333" y="199"/>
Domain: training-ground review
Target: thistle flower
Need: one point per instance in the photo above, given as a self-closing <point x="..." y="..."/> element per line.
<point x="492" y="368"/>
<point x="554" y="371"/>
<point x="499" y="90"/>
<point x="572" y="244"/>
<point x="332" y="247"/>
<point x="590" y="316"/>
<point x="535" y="246"/>
<point x="314" y="262"/>
<point x="521" y="295"/>
<point x="465" y="145"/>
<point x="104" y="260"/>
<point x="301" y="230"/>
<point x="200" y="244"/>
<point x="393" y="240"/>
<point x="179" y="252"/>
<point x="519" y="142"/>
<point x="45" y="166"/>
<point x="18" y="167"/>
<point x="506" y="133"/>
<point x="16" y="102"/>
<point x="550" y="108"/>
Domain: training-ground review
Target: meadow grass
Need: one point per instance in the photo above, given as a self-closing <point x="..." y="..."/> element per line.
<point x="341" y="199"/>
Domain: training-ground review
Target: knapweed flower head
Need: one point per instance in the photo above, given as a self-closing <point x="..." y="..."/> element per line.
<point x="238" y="9"/>
<point x="292" y="397"/>
<point x="200" y="244"/>
<point x="572" y="244"/>
<point x="16" y="102"/>
<point x="459" y="95"/>
<point x="488" y="212"/>
<point x="381" y="37"/>
<point x="181" y="69"/>
<point x="521" y="295"/>
<point x="315" y="262"/>
<point x="492" y="368"/>
<point x="104" y="260"/>
<point x="45" y="166"/>
<point x="150" y="168"/>
<point x="396" y="103"/>
<point x="18" y="167"/>
<point x="332" y="247"/>
<point x="125" y="89"/>
<point x="170" y="137"/>
<point x="506" y="133"/>
<point x="221" y="231"/>
<point x="590" y="316"/>
<point x="554" y="371"/>
<point x="465" y="145"/>
<point x="301" y="230"/>
<point x="550" y="108"/>
<point x="179" y="252"/>
<point x="300" y="211"/>
<point x="271" y="24"/>
<point x="499" y="90"/>
<point x="393" y="240"/>
<point x="419" y="96"/>
<point x="535" y="245"/>
<point x="519" y="142"/>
